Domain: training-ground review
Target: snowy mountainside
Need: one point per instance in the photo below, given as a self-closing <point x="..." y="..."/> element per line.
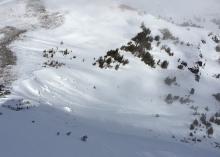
<point x="159" y="97"/>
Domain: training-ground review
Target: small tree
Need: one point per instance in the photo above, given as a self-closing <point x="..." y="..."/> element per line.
<point x="148" y="59"/>
<point x="164" y="64"/>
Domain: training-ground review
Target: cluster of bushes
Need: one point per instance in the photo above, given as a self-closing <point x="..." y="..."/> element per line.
<point x="170" y="99"/>
<point x="204" y="124"/>
<point x="112" y="57"/>
<point x="50" y="55"/>
<point x="167" y="50"/>
<point x="164" y="64"/>
<point x="140" y="45"/>
<point x="17" y="105"/>
<point x="215" y="118"/>
<point x="215" y="38"/>
<point x="4" y="91"/>
<point x="182" y="64"/>
<point x="53" y="63"/>
<point x="216" y="76"/>
<point x="200" y="124"/>
<point x="194" y="69"/>
<point x="170" y="81"/>
<point x="167" y="35"/>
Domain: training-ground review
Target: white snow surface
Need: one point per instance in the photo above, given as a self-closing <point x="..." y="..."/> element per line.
<point x="119" y="114"/>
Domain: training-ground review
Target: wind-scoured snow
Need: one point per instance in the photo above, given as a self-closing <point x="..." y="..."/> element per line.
<point x="122" y="112"/>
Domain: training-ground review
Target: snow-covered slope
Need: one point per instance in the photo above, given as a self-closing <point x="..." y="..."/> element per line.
<point x="60" y="95"/>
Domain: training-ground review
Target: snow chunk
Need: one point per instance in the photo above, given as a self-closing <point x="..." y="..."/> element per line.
<point x="67" y="109"/>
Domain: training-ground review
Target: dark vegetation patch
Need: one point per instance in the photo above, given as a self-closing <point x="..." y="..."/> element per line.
<point x="217" y="48"/>
<point x="201" y="128"/>
<point x="217" y="96"/>
<point x="51" y="55"/>
<point x="170" y="81"/>
<point x="182" y="64"/>
<point x="17" y="105"/>
<point x="167" y="50"/>
<point x="84" y="138"/>
<point x="164" y="64"/>
<point x="68" y="133"/>
<point x="195" y="69"/>
<point x="170" y="99"/>
<point x="216" y="76"/>
<point x="139" y="46"/>
<point x="167" y="35"/>
<point x="4" y="91"/>
<point x="215" y="38"/>
<point x="113" y="57"/>
<point x="192" y="91"/>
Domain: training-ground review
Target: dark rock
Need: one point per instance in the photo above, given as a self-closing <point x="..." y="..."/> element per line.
<point x="69" y="133"/>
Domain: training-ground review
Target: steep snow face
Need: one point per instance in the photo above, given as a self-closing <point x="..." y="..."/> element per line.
<point x="55" y="68"/>
<point x="187" y="8"/>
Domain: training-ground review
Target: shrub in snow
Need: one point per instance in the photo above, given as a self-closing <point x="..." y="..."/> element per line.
<point x="216" y="76"/>
<point x="164" y="64"/>
<point x="203" y="41"/>
<point x="148" y="59"/>
<point x="157" y="38"/>
<point x="53" y="63"/>
<point x="4" y="91"/>
<point x="194" y="70"/>
<point x="17" y="104"/>
<point x="167" y="50"/>
<point x="111" y="57"/>
<point x="170" y="98"/>
<point x="192" y="91"/>
<point x="210" y="131"/>
<point x="197" y="78"/>
<point x="84" y="138"/>
<point x="192" y="127"/>
<point x="169" y="81"/>
<point x="216" y="39"/>
<point x="167" y="34"/>
<point x="117" y="67"/>
<point x="199" y="63"/>
<point x="69" y="133"/>
<point x="180" y="67"/>
<point x="184" y="63"/>
<point x="185" y="100"/>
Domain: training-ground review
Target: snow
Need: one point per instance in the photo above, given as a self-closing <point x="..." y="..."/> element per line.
<point x="119" y="114"/>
